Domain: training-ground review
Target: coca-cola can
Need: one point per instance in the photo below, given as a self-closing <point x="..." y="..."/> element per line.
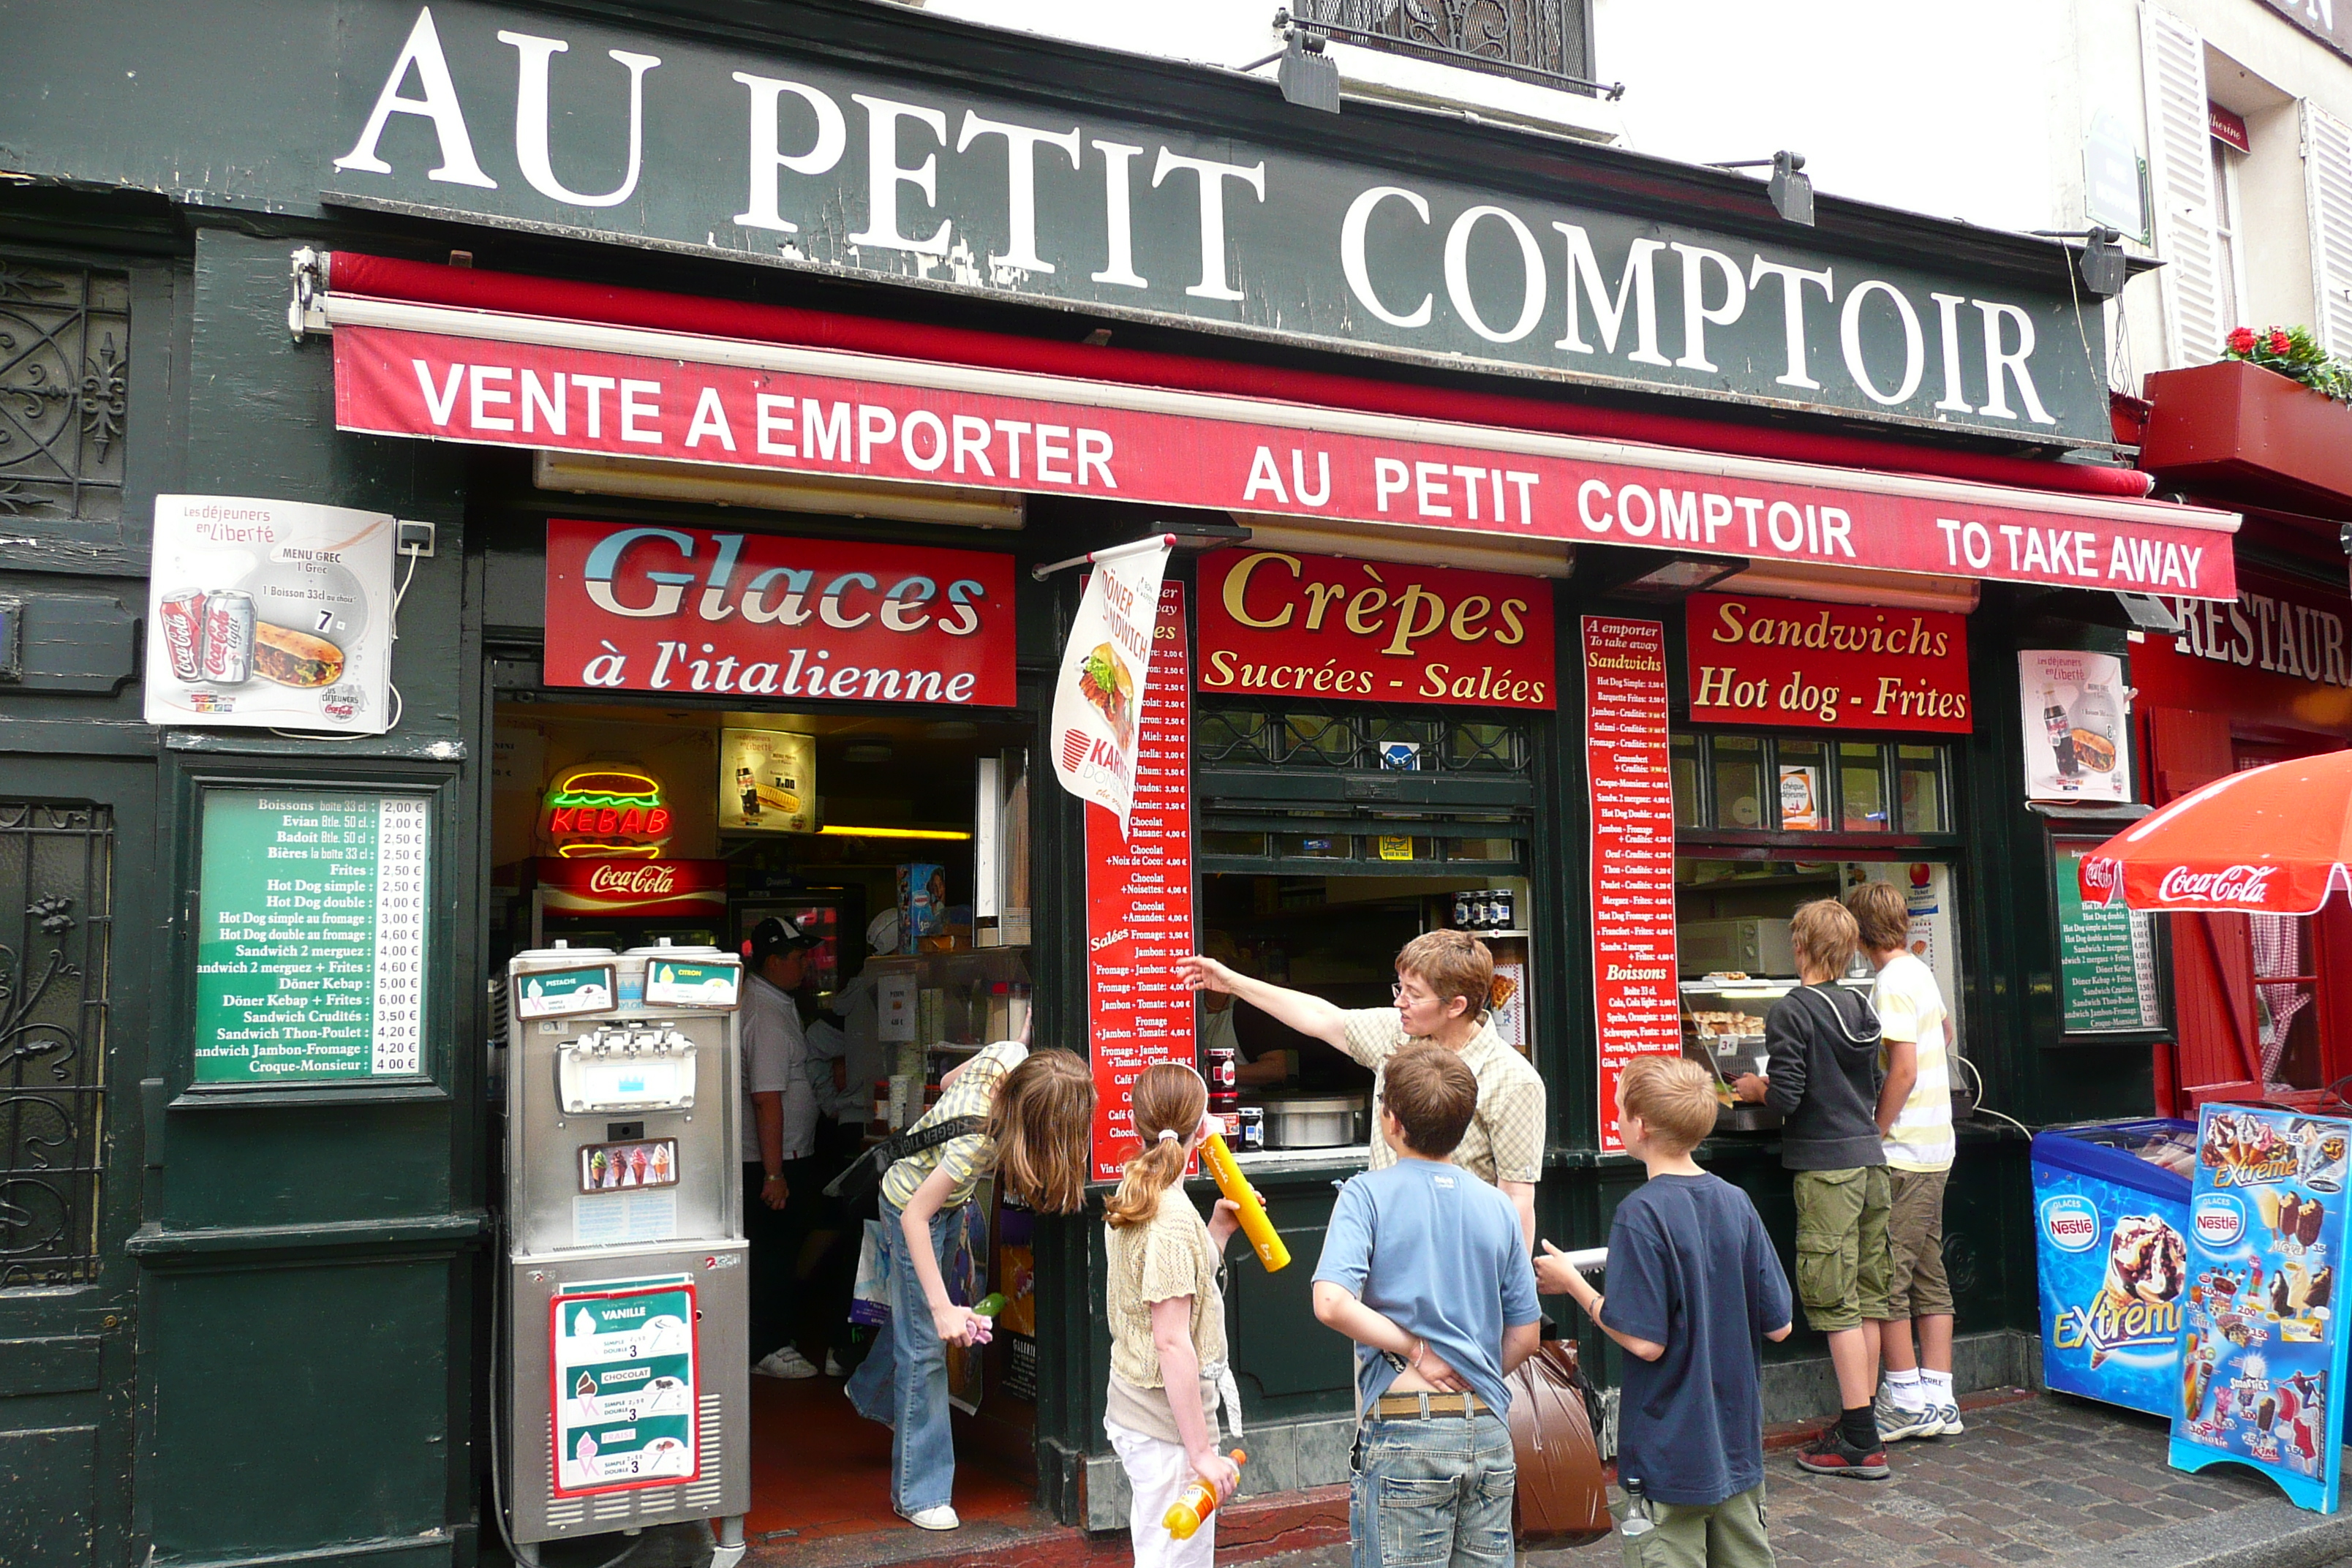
<point x="183" y="632"/>
<point x="228" y="638"/>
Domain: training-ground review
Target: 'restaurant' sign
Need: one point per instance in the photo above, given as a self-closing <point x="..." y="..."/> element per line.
<point x="639" y="889"/>
<point x="1850" y="667"/>
<point x="761" y="405"/>
<point x="2279" y="654"/>
<point x="1372" y="631"/>
<point x="756" y="615"/>
<point x="810" y="161"/>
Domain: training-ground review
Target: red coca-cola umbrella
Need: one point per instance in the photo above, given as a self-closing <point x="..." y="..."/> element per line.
<point x="2275" y="840"/>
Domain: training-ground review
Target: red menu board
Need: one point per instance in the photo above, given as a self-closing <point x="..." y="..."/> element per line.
<point x="1140" y="901"/>
<point x="1635" y="1000"/>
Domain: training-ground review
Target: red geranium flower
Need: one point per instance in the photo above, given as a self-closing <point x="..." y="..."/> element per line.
<point x="2241" y="341"/>
<point x="2280" y="342"/>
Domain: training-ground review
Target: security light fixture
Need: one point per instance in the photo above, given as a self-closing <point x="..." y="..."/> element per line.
<point x="2102" y="264"/>
<point x="1791" y="190"/>
<point x="2149" y="614"/>
<point x="1309" y="77"/>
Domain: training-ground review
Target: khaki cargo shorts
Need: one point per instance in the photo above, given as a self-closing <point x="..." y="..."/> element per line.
<point x="1915" y="1288"/>
<point x="1842" y="1252"/>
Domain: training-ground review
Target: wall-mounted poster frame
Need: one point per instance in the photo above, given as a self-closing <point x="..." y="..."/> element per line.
<point x="364" y="855"/>
<point x="2109" y="965"/>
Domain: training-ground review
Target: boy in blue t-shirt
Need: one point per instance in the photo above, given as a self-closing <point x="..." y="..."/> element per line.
<point x="1694" y="1289"/>
<point x="1425" y="1268"/>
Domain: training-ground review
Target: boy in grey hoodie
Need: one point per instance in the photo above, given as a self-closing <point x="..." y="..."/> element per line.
<point x="1823" y="1078"/>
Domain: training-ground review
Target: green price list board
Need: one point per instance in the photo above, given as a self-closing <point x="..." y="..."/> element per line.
<point x="310" y="945"/>
<point x="2106" y="956"/>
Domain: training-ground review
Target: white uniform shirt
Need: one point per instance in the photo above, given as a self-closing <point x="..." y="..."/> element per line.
<point x="776" y="1060"/>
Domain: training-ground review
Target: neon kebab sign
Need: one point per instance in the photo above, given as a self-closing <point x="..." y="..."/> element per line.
<point x="601" y="812"/>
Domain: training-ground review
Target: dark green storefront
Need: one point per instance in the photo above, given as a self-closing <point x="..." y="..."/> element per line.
<point x="258" y="1326"/>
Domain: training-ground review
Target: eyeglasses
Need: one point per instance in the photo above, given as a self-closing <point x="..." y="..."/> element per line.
<point x="1400" y="995"/>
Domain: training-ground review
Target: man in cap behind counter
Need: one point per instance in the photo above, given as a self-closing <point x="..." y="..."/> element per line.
<point x="778" y="1138"/>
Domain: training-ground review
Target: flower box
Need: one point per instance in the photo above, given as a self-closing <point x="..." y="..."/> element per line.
<point x="2250" y="432"/>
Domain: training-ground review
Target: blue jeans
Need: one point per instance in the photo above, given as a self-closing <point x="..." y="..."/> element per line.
<point x="1432" y="1491"/>
<point x="903" y="1381"/>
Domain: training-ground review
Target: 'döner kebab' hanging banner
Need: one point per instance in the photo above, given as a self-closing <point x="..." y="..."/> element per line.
<point x="1099" y="697"/>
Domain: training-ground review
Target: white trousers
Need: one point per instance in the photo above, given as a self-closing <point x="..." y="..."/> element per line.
<point x="1157" y="1471"/>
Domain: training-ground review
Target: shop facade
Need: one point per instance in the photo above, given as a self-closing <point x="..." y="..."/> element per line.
<point x="1602" y="572"/>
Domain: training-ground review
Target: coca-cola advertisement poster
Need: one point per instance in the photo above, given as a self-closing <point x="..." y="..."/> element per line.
<point x="269" y="614"/>
<point x="2074" y="706"/>
<point x="687" y="610"/>
<point x="636" y="889"/>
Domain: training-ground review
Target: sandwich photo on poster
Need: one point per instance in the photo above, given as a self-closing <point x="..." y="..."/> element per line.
<point x="269" y="614"/>
<point x="2077" y="747"/>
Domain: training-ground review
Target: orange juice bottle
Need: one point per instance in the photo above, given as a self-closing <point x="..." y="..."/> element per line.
<point x="1196" y="1503"/>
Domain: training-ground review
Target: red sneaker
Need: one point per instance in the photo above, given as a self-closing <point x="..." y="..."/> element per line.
<point x="1831" y="1455"/>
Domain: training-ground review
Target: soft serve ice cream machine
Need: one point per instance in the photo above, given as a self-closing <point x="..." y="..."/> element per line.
<point x="627" y="1392"/>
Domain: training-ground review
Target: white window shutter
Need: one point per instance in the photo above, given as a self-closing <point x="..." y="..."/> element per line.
<point x="2180" y="169"/>
<point x="2327" y="187"/>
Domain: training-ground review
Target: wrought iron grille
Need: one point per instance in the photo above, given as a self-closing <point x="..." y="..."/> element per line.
<point x="56" y="868"/>
<point x="1346" y="737"/>
<point x="1533" y="34"/>
<point x="65" y="381"/>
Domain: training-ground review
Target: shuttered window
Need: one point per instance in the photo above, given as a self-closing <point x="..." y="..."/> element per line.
<point x="2328" y="185"/>
<point x="2181" y="169"/>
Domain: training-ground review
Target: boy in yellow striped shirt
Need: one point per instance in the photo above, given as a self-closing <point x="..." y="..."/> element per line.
<point x="1915" y="1121"/>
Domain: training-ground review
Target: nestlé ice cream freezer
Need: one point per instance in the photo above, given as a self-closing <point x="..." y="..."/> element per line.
<point x="2111" y="1219"/>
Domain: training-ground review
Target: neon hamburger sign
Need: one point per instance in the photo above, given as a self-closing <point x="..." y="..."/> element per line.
<point x="604" y="811"/>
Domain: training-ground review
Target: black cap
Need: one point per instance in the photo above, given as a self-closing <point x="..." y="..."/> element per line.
<point x="775" y="935"/>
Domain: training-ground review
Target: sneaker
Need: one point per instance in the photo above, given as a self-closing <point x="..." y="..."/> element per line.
<point x="1949" y="1416"/>
<point x="832" y="1367"/>
<point x="939" y="1518"/>
<point x="1831" y="1455"/>
<point x="785" y="1363"/>
<point x="1896" y="1423"/>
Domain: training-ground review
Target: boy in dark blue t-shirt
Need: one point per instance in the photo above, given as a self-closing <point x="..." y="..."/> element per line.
<point x="1694" y="1289"/>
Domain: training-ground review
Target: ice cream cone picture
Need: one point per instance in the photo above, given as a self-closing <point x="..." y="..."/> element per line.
<point x="2106" y="1309"/>
<point x="2196" y="1376"/>
<point x="661" y="1163"/>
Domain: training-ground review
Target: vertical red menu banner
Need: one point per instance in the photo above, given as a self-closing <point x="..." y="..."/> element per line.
<point x="1631" y="784"/>
<point x="1140" y="901"/>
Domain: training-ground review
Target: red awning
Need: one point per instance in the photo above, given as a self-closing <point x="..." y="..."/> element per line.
<point x="671" y="378"/>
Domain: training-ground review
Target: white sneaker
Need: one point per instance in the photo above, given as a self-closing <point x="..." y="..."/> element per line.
<point x="941" y="1517"/>
<point x="1950" y="1416"/>
<point x="785" y="1363"/>
<point x="832" y="1367"/>
<point x="1896" y="1423"/>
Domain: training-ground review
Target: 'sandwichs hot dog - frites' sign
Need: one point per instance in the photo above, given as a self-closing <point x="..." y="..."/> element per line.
<point x="684" y="610"/>
<point x="1316" y="626"/>
<point x="1846" y="667"/>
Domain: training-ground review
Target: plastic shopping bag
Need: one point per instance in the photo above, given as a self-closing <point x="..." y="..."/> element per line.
<point x="869" y="1299"/>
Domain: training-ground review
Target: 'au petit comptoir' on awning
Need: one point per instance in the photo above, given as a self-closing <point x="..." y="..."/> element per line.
<point x="500" y="377"/>
<point x="2274" y="841"/>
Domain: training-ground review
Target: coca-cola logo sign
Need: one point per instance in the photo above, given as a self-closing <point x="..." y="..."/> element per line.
<point x="2099" y="874"/>
<point x="2232" y="885"/>
<point x="636" y="879"/>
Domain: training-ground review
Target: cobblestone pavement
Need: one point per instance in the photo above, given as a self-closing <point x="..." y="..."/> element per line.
<point x="2049" y="1480"/>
